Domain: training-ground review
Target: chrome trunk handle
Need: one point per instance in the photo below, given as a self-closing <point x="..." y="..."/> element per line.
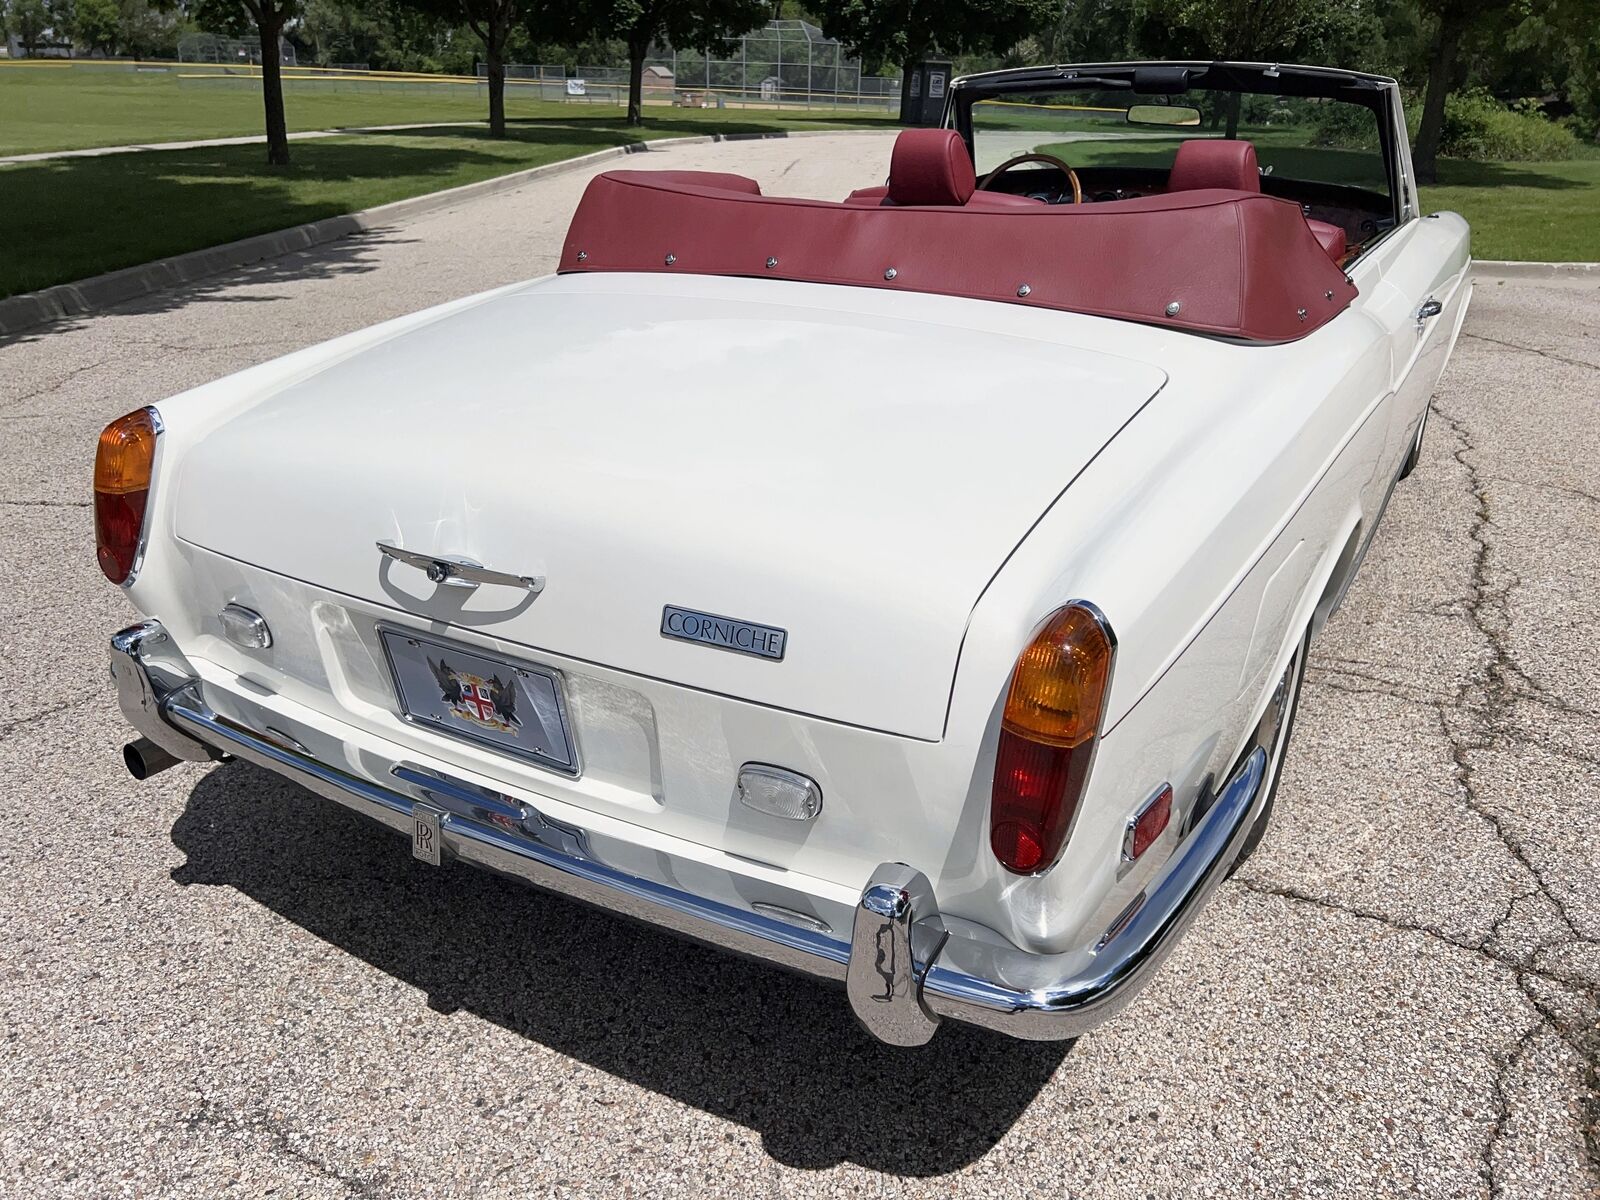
<point x="451" y="571"/>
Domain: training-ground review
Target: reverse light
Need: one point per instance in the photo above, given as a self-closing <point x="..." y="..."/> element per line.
<point x="779" y="792"/>
<point x="1047" y="737"/>
<point x="122" y="467"/>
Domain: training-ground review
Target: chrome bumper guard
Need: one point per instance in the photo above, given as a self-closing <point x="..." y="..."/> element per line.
<point x="905" y="967"/>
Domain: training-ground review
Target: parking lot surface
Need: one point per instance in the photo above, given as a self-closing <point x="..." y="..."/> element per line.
<point x="213" y="983"/>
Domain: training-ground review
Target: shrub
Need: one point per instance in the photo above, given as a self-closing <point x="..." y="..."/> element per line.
<point x="1345" y="126"/>
<point x="1479" y="127"/>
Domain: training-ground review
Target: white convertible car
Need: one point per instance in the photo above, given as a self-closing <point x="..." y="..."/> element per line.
<point x="911" y="590"/>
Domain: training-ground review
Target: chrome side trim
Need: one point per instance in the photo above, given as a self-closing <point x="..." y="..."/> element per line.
<point x="905" y="966"/>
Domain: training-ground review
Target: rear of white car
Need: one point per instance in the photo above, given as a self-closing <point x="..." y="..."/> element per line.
<point x="757" y="800"/>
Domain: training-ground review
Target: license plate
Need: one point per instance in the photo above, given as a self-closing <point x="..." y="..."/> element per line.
<point x="516" y="708"/>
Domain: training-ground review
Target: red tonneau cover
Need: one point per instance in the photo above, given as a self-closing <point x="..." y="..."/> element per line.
<point x="1222" y="262"/>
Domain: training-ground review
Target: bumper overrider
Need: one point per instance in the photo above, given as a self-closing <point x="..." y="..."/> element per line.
<point x="905" y="967"/>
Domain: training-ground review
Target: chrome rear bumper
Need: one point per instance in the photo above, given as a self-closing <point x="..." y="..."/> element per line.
<point x="904" y="966"/>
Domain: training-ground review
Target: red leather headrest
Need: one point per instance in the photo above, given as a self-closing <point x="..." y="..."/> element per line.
<point x="930" y="166"/>
<point x="1214" y="163"/>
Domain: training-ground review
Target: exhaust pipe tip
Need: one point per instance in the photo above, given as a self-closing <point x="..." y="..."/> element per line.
<point x="144" y="758"/>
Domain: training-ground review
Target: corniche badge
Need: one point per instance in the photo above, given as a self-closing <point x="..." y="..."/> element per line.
<point x="725" y="633"/>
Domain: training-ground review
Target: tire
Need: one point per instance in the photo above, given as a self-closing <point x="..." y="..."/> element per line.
<point x="1272" y="734"/>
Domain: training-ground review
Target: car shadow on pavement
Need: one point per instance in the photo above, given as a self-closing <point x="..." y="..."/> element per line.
<point x="774" y="1052"/>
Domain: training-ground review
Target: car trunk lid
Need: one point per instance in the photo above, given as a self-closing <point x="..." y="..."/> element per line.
<point x="850" y="477"/>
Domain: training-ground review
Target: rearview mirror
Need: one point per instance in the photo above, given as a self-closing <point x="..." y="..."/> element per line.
<point x="1163" y="114"/>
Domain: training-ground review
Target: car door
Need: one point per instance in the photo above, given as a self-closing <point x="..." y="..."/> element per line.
<point x="1414" y="282"/>
<point x="1420" y="295"/>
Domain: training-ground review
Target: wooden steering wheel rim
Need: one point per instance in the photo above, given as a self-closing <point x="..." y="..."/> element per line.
<point x="1050" y="159"/>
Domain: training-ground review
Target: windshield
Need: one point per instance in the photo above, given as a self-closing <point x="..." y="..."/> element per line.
<point x="1127" y="139"/>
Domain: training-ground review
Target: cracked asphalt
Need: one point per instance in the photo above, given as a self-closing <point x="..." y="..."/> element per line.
<point x="214" y="984"/>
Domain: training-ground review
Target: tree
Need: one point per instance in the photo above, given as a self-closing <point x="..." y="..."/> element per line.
<point x="268" y="18"/>
<point x="493" y="22"/>
<point x="146" y="30"/>
<point x="30" y="20"/>
<point x="702" y="24"/>
<point x="1253" y="31"/>
<point x="1533" y="47"/>
<point x="94" y="25"/>
<point x="1456" y="20"/>
<point x="388" y="35"/>
<point x="497" y="24"/>
<point x="904" y="32"/>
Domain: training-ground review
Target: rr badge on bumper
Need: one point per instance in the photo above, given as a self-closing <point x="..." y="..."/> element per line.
<point x="427" y="833"/>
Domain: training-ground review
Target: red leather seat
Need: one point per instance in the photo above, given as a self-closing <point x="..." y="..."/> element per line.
<point x="868" y="197"/>
<point x="1224" y="163"/>
<point x="1330" y="237"/>
<point x="931" y="168"/>
<point x="1214" y="163"/>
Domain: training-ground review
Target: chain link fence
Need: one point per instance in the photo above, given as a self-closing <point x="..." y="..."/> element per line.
<point x="227" y="51"/>
<point x="783" y="65"/>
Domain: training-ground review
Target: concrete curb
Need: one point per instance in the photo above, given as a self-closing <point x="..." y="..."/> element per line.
<point x="1491" y="269"/>
<point x="31" y="309"/>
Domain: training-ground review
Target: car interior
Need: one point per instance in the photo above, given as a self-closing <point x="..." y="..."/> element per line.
<point x="1317" y="137"/>
<point x="932" y="167"/>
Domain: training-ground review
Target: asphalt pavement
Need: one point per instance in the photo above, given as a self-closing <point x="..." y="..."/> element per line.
<point x="215" y="984"/>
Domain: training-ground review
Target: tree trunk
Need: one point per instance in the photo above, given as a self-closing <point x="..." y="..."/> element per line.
<point x="495" y="47"/>
<point x="1233" y="115"/>
<point x="1441" y="78"/>
<point x="910" y="110"/>
<point x="636" y="51"/>
<point x="272" y="91"/>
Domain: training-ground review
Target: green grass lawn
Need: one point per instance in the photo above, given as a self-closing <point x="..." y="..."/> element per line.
<point x="45" y="106"/>
<point x="1544" y="211"/>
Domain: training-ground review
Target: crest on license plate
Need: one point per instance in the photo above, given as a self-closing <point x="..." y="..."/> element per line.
<point x="487" y="703"/>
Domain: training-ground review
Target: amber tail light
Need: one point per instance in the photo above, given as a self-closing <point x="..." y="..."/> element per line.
<point x="122" y="466"/>
<point x="1047" y="738"/>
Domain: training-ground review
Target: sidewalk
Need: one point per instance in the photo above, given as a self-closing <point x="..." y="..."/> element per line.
<point x="253" y="139"/>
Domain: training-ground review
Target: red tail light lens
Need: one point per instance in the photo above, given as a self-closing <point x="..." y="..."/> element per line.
<point x="1047" y="738"/>
<point x="122" y="466"/>
<point x="1150" y="823"/>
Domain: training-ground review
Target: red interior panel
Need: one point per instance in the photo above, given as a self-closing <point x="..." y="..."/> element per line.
<point x="1232" y="263"/>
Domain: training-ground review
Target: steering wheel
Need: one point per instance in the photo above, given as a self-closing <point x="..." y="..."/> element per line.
<point x="987" y="182"/>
